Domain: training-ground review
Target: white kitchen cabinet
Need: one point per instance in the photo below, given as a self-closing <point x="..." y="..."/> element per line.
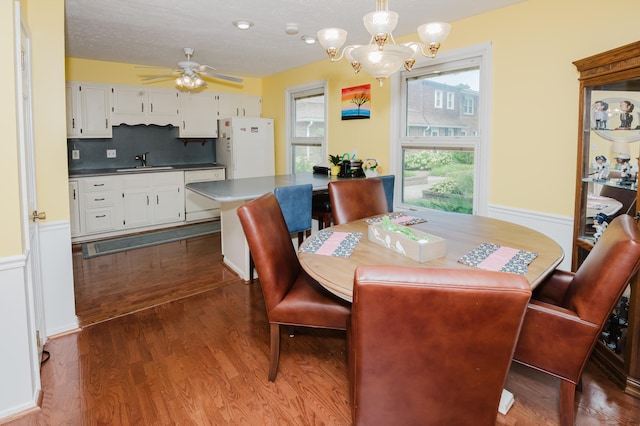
<point x="199" y="115"/>
<point x="142" y="105"/>
<point x="74" y="208"/>
<point x="98" y="203"/>
<point x="239" y="105"/>
<point x="88" y="110"/>
<point x="152" y="198"/>
<point x="168" y="193"/>
<point x="199" y="207"/>
<point x="136" y="200"/>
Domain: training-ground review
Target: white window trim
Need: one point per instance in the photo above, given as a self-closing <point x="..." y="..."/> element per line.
<point x="290" y="92"/>
<point x="483" y="148"/>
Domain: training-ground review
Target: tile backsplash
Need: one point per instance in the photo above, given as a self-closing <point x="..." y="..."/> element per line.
<point x="161" y="142"/>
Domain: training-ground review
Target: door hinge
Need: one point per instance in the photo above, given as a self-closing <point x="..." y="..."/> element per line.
<point x="38" y="342"/>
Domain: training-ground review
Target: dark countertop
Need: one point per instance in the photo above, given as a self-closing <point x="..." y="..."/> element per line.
<point x="159" y="169"/>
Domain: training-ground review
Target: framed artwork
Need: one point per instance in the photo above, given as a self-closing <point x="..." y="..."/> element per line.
<point x="356" y="102"/>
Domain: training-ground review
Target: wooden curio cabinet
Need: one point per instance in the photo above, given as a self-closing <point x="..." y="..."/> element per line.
<point x="606" y="186"/>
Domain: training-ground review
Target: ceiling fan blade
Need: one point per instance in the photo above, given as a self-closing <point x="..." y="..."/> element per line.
<point x="160" y="76"/>
<point x="222" y="76"/>
<point x="154" y="67"/>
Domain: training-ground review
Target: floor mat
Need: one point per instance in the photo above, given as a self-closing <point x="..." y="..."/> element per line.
<point x="132" y="242"/>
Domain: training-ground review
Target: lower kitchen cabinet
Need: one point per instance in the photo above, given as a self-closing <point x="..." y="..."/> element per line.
<point x="74" y="207"/>
<point x="113" y="205"/>
<point x="198" y="207"/>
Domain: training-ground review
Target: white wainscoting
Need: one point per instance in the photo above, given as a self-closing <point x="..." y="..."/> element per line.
<point x="57" y="277"/>
<point x="560" y="228"/>
<point x="20" y="383"/>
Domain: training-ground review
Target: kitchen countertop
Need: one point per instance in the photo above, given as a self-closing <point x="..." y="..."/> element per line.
<point x="249" y="188"/>
<point x="159" y="169"/>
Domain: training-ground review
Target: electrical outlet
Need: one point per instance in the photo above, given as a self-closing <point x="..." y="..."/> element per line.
<point x="75" y="154"/>
<point x="111" y="153"/>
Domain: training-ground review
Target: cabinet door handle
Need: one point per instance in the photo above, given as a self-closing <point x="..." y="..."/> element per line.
<point x="102" y="215"/>
<point x="106" y="123"/>
<point x="183" y="126"/>
<point x="142" y="106"/>
<point x="151" y="108"/>
<point x="98" y="199"/>
<point x="147" y="200"/>
<point x="73" y="123"/>
<point x="98" y="184"/>
<point x="157" y="199"/>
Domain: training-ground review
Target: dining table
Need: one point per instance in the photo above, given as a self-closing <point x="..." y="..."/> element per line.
<point x="465" y="236"/>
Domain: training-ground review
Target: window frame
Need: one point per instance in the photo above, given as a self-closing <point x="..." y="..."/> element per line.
<point x="293" y="93"/>
<point x="445" y="61"/>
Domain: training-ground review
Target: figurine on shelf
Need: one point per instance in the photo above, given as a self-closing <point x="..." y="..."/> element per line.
<point x="626" y="173"/>
<point x="601" y="115"/>
<point x="601" y="164"/>
<point x="600" y="223"/>
<point x="626" y="108"/>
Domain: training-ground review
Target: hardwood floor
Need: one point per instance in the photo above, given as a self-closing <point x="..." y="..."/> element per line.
<point x="203" y="359"/>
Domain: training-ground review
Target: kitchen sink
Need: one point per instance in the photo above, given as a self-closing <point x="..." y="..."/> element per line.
<point x="145" y="168"/>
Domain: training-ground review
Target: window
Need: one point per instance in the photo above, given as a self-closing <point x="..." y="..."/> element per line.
<point x="451" y="97"/>
<point x="437" y="99"/>
<point x="441" y="154"/>
<point x="306" y="110"/>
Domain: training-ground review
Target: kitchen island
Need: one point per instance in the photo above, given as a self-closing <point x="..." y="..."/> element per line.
<point x="232" y="194"/>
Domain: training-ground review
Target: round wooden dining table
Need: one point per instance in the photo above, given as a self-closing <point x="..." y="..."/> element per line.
<point x="462" y="232"/>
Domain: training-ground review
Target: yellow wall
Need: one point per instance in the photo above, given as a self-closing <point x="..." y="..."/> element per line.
<point x="11" y="242"/>
<point x="535" y="95"/>
<point x="120" y="73"/>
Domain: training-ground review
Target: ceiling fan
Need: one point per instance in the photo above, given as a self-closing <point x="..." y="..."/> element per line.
<point x="190" y="73"/>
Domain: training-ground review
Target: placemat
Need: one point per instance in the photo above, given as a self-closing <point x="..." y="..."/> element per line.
<point x="399" y="217"/>
<point x="332" y="243"/>
<point x="494" y="257"/>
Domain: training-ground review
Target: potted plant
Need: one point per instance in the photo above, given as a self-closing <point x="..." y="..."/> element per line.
<point x="335" y="161"/>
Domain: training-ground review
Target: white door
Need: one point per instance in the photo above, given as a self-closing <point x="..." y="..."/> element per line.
<point x="29" y="206"/>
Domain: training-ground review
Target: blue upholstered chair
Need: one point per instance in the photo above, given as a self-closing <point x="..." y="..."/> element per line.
<point x="295" y="203"/>
<point x="388" y="182"/>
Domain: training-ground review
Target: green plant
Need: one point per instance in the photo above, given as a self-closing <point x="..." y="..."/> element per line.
<point x="335" y="159"/>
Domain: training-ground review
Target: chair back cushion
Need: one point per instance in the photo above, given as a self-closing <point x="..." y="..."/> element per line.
<point x="356" y="199"/>
<point x="600" y="280"/>
<point x="432" y="346"/>
<point x="295" y="203"/>
<point x="388" y="181"/>
<point x="271" y="247"/>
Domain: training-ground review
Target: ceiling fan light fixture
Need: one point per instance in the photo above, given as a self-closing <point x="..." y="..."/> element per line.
<point x="291" y="28"/>
<point x="242" y="24"/>
<point x="309" y="39"/>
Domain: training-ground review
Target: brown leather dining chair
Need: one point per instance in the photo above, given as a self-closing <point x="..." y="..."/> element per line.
<point x="291" y="297"/>
<point x="432" y="346"/>
<point x="356" y="199"/>
<point x="568" y="310"/>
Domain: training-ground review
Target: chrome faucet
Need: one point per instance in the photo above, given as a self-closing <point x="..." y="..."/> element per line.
<point x="142" y="158"/>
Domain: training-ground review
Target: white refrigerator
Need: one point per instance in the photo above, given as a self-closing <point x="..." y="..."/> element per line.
<point x="245" y="147"/>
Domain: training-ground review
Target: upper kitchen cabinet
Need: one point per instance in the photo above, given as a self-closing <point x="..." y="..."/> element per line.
<point x="199" y="114"/>
<point x="144" y="105"/>
<point x="88" y="110"/>
<point x="239" y="105"/>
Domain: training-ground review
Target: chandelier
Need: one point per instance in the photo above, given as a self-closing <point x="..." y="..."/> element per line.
<point x="382" y="56"/>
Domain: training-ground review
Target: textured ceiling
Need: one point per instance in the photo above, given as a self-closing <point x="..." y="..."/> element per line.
<point x="153" y="32"/>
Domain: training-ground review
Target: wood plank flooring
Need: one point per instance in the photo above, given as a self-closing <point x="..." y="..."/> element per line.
<point x="203" y="359"/>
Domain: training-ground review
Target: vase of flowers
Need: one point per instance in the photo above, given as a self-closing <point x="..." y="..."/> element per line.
<point x="371" y="167"/>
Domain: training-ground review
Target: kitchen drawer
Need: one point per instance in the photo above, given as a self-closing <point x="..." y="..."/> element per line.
<point x="101" y="183"/>
<point x="203" y="175"/>
<point x="100" y="220"/>
<point x="99" y="199"/>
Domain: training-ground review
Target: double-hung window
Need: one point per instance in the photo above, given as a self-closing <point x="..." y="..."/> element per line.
<point x="440" y="134"/>
<point x="306" y="128"/>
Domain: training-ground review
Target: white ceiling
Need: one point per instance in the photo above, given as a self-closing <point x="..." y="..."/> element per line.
<point x="153" y="32"/>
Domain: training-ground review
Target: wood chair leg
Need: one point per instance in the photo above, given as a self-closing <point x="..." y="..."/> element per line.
<point x="567" y="403"/>
<point x="251" y="266"/>
<point x="275" y="351"/>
